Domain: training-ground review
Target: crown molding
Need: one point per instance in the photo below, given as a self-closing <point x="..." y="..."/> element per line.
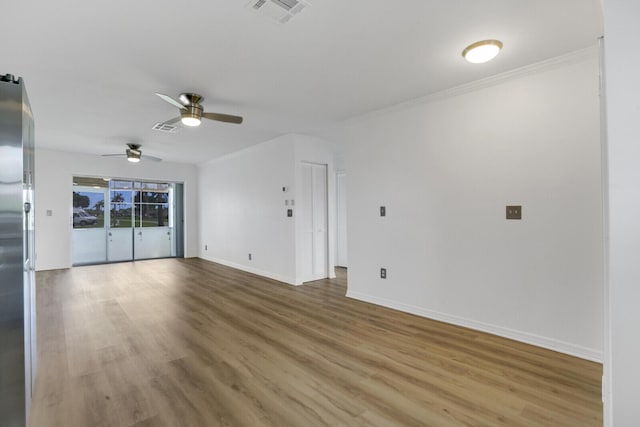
<point x="535" y="68"/>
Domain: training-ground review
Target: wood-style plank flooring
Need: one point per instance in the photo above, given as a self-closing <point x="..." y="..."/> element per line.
<point x="191" y="343"/>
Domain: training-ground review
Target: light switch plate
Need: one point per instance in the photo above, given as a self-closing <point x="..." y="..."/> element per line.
<point x="514" y="212"/>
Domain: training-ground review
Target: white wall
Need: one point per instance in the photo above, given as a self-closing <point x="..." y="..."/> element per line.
<point x="622" y="71"/>
<point x="242" y="205"/>
<point x="54" y="182"/>
<point x="242" y="209"/>
<point x="446" y="167"/>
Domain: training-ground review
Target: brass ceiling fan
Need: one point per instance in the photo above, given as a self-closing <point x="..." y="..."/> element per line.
<point x="134" y="154"/>
<point x="191" y="112"/>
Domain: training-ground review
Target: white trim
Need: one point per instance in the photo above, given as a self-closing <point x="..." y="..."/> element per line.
<point x="538" y="67"/>
<point x="263" y="273"/>
<point x="525" y="337"/>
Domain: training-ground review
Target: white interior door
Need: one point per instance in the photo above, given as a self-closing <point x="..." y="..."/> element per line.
<point x="341" y="219"/>
<point x="313" y="211"/>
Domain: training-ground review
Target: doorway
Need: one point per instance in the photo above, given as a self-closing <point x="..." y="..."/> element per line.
<point x="124" y="220"/>
<point x="314" y="219"/>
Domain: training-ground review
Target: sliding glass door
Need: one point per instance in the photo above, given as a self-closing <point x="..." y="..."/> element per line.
<point x="119" y="232"/>
<point x="88" y="219"/>
<point x="139" y="222"/>
<point x="153" y="221"/>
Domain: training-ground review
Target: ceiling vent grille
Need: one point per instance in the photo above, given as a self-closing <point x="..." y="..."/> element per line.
<point x="279" y="10"/>
<point x="165" y="128"/>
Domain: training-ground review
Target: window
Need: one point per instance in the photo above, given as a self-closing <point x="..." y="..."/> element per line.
<point x="88" y="209"/>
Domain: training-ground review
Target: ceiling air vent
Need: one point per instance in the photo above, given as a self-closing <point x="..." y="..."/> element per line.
<point x="279" y="10"/>
<point x="165" y="128"/>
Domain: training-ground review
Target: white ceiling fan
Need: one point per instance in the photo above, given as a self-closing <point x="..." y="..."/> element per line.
<point x="191" y="112"/>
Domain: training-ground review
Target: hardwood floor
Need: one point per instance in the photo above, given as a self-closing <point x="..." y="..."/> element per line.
<point x="191" y="343"/>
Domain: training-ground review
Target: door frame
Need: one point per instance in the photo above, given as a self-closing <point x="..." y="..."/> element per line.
<point x="341" y="205"/>
<point x="176" y="201"/>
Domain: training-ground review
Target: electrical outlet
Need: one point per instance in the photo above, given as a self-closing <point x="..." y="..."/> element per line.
<point x="383" y="273"/>
<point x="249" y="257"/>
<point x="206" y="247"/>
<point x="514" y="212"/>
<point x="383" y="211"/>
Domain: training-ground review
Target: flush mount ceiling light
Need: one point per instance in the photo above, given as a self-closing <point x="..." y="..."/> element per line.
<point x="482" y="51"/>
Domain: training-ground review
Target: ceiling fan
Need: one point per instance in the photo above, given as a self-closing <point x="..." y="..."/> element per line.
<point x="191" y="112"/>
<point x="134" y="154"/>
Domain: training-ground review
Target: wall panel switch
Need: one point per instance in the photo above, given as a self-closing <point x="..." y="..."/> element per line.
<point x="383" y="211"/>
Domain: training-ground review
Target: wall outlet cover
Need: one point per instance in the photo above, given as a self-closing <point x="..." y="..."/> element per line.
<point x="514" y="212"/>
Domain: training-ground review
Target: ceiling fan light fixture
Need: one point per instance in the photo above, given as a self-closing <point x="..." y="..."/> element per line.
<point x="133" y="155"/>
<point x="190" y="121"/>
<point x="482" y="51"/>
<point x="191" y="114"/>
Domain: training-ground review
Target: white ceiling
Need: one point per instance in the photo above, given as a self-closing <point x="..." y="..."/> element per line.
<point x="92" y="68"/>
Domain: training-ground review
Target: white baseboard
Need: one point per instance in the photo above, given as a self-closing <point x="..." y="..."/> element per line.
<point x="270" y="275"/>
<point x="525" y="337"/>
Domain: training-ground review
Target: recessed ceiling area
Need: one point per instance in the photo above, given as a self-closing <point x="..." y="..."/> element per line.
<point x="92" y="69"/>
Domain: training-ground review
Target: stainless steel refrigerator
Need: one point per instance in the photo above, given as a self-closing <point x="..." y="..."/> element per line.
<point x="17" y="278"/>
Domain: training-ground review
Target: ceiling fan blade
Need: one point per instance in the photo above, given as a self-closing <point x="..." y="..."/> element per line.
<point x="172" y="121"/>
<point x="114" y="155"/>
<point x="170" y="100"/>
<point x="223" y="117"/>
<point x="152" y="158"/>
